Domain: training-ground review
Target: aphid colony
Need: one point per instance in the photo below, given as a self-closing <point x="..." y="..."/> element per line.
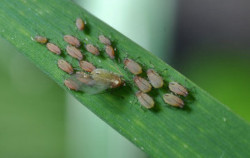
<point x="95" y="80"/>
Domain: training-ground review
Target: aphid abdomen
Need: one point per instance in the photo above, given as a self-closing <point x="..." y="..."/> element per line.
<point x="154" y="78"/>
<point x="104" y="40"/>
<point x="132" y="66"/>
<point x="142" y="84"/>
<point x="74" y="52"/>
<point x="110" y="51"/>
<point x="53" y="48"/>
<point x="72" y="40"/>
<point x="71" y="84"/>
<point x="80" y="24"/>
<point x="41" y="39"/>
<point x="178" y="89"/>
<point x="86" y="66"/>
<point x="145" y="100"/>
<point x="92" y="49"/>
<point x="173" y="100"/>
<point x="65" y="66"/>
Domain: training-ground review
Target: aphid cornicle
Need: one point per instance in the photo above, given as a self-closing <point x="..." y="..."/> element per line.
<point x="80" y="24"/>
<point x="65" y="66"/>
<point x="41" y="39"/>
<point x="178" y="89"/>
<point x="72" y="40"/>
<point x="104" y="40"/>
<point x="92" y="49"/>
<point x="132" y="66"/>
<point x="86" y="66"/>
<point x="142" y="84"/>
<point x="173" y="100"/>
<point x="110" y="51"/>
<point x="74" y="52"/>
<point x="71" y="84"/>
<point x="53" y="48"/>
<point x="154" y="78"/>
<point x="145" y="100"/>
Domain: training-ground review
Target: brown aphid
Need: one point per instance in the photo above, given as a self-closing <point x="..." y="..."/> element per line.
<point x="86" y="66"/>
<point x="83" y="77"/>
<point x="132" y="66"/>
<point x="41" y="39"/>
<point x="74" y="52"/>
<point x="104" y="40"/>
<point x="142" y="84"/>
<point x="72" y="85"/>
<point x="145" y="100"/>
<point x="92" y="49"/>
<point x="178" y="89"/>
<point x="110" y="51"/>
<point x="154" y="78"/>
<point x="65" y="66"/>
<point x="72" y="40"/>
<point x="173" y="100"/>
<point x="53" y="48"/>
<point x="80" y="24"/>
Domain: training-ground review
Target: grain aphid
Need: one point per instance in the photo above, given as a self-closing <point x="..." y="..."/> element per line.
<point x="178" y="89"/>
<point x="92" y="49"/>
<point x="72" y="40"/>
<point x="104" y="40"/>
<point x="86" y="66"/>
<point x="142" y="84"/>
<point x="132" y="66"/>
<point x="74" y="52"/>
<point x="65" y="66"/>
<point x="110" y="51"/>
<point x="71" y="84"/>
<point x="145" y="100"/>
<point x="154" y="78"/>
<point x="173" y="100"/>
<point x="80" y="24"/>
<point x="41" y="39"/>
<point x="53" y="48"/>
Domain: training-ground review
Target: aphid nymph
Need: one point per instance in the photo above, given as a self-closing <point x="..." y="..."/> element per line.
<point x="92" y="49"/>
<point x="178" y="89"/>
<point x="104" y="40"/>
<point x="142" y="84"/>
<point x="110" y="51"/>
<point x="74" y="52"/>
<point x="41" y="39"/>
<point x="145" y="100"/>
<point x="173" y="100"/>
<point x="80" y="24"/>
<point x="71" y="84"/>
<point x="86" y="66"/>
<point x="72" y="40"/>
<point x="53" y="48"/>
<point x="132" y="66"/>
<point x="154" y="78"/>
<point x="65" y="66"/>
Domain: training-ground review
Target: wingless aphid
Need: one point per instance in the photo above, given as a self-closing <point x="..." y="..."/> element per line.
<point x="145" y="100"/>
<point x="92" y="49"/>
<point x="86" y="66"/>
<point x="98" y="81"/>
<point x="110" y="51"/>
<point x="178" y="89"/>
<point x="41" y="39"/>
<point x="104" y="40"/>
<point x="142" y="84"/>
<point x="53" y="48"/>
<point x="72" y="40"/>
<point x="71" y="84"/>
<point x="80" y="24"/>
<point x="65" y="66"/>
<point x="74" y="52"/>
<point x="173" y="100"/>
<point x="132" y="66"/>
<point x="154" y="78"/>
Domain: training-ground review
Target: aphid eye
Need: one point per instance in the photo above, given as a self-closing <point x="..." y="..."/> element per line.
<point x="132" y="66"/>
<point x="53" y="48"/>
<point x="72" y="40"/>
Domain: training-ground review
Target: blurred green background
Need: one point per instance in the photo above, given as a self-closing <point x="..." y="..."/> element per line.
<point x="38" y="119"/>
